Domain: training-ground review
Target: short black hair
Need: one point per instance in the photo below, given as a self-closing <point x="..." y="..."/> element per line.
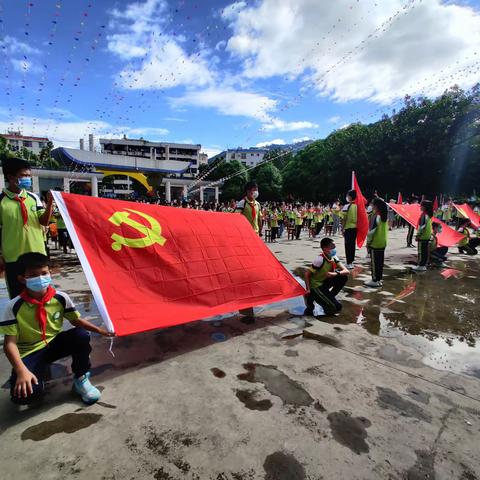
<point x="325" y="242"/>
<point x="10" y="166"/>
<point x="250" y="185"/>
<point x="352" y="194"/>
<point x="32" y="260"/>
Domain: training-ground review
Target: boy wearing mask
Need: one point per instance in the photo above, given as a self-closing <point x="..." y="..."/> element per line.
<point x="22" y="218"/>
<point x="324" y="280"/>
<point x="250" y="208"/>
<point x="32" y="324"/>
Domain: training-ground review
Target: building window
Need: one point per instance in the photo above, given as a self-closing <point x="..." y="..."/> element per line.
<point x="244" y="164"/>
<point x="233" y="156"/>
<point x="27" y="143"/>
<point x="244" y="156"/>
<point x="41" y="145"/>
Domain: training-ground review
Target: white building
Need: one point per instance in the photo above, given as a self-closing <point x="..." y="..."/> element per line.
<point x="250" y="157"/>
<point x="144" y="155"/>
<point x="16" y="141"/>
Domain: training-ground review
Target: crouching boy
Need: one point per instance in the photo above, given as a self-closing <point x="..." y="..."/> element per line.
<point x="32" y="324"/>
<point x="324" y="280"/>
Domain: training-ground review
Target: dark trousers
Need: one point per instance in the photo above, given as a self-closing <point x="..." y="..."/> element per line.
<point x="423" y="252"/>
<point x="274" y="233"/>
<point x="439" y="255"/>
<point x="63" y="239"/>
<point x="12" y="270"/>
<point x="471" y="247"/>
<point x="350" y="240"/>
<point x="410" y="233"/>
<point x="281" y="226"/>
<point x="298" y="229"/>
<point x="377" y="260"/>
<point x="325" y="295"/>
<point x="74" y="343"/>
<point x="318" y="227"/>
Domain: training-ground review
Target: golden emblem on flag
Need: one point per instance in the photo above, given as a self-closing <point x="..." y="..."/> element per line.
<point x="151" y="234"/>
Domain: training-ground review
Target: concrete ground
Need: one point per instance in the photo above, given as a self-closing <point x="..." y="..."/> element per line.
<point x="389" y="389"/>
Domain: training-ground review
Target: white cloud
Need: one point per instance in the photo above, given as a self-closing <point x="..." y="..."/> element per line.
<point x="301" y="139"/>
<point x="151" y="132"/>
<point x="12" y="46"/>
<point x="276" y="141"/>
<point x="212" y="150"/>
<point x="163" y="62"/>
<point x="229" y="102"/>
<point x="377" y="50"/>
<point x="282" y="126"/>
<point x="334" y="119"/>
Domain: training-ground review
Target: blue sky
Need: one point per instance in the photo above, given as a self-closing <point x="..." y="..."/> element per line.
<point x="225" y="74"/>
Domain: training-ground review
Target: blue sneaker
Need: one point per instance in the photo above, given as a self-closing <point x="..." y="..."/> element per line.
<point x="88" y="393"/>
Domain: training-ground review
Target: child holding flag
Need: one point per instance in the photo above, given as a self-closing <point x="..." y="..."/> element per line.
<point x="377" y="242"/>
<point x="467" y="245"/>
<point x="438" y="255"/>
<point x="350" y="227"/>
<point x="424" y="235"/>
<point x="32" y="324"/>
<point x="324" y="280"/>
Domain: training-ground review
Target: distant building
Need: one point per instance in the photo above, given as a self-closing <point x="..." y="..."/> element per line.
<point x="16" y="141"/>
<point x="202" y="159"/>
<point x="250" y="157"/>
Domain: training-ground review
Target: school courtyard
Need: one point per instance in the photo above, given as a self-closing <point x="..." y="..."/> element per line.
<point x="389" y="389"/>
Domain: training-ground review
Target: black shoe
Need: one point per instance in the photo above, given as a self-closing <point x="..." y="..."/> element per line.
<point x="308" y="313"/>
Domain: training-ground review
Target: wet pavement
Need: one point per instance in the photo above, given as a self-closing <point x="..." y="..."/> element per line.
<point x="388" y="389"/>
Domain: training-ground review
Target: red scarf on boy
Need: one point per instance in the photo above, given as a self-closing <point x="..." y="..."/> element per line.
<point x="41" y="313"/>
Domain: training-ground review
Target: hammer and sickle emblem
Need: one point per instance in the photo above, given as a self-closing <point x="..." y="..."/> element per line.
<point x="151" y="235"/>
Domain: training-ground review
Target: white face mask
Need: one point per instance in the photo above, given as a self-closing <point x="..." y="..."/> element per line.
<point x="255" y="194"/>
<point x="348" y="198"/>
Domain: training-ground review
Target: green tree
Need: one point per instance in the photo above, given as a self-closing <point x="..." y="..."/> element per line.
<point x="269" y="181"/>
<point x="232" y="187"/>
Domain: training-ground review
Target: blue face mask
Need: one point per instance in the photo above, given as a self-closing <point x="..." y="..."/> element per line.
<point x="333" y="253"/>
<point x="25" y="182"/>
<point x="38" y="284"/>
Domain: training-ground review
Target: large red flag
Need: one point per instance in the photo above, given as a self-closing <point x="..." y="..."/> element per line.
<point x="411" y="213"/>
<point x="362" y="217"/>
<point x="466" y="210"/>
<point x="152" y="267"/>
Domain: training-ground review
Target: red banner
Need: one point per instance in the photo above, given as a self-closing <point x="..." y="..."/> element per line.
<point x="466" y="210"/>
<point x="411" y="213"/>
<point x="152" y="267"/>
<point x="362" y="217"/>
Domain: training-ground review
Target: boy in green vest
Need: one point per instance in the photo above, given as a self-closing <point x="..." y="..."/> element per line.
<point x="250" y="208"/>
<point x="22" y="218"/>
<point x="324" y="280"/>
<point x="32" y="324"/>
<point x="424" y="235"/>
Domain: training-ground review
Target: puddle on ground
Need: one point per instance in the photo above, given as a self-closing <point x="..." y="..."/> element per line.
<point x="283" y="466"/>
<point x="391" y="400"/>
<point x="277" y="383"/>
<point x="350" y="431"/>
<point x="424" y="466"/>
<point x="247" y="397"/>
<point x="218" y="373"/>
<point x="68" y="423"/>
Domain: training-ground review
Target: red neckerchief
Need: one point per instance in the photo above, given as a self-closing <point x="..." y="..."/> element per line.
<point x="23" y="207"/>
<point x="41" y="312"/>
<point x="252" y="205"/>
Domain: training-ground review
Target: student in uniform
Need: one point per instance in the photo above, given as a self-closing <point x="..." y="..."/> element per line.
<point x="298" y="222"/>
<point x="350" y="228"/>
<point x="468" y="245"/>
<point x="424" y="235"/>
<point x="274" y="224"/>
<point x="438" y="255"/>
<point x="32" y="324"/>
<point x="324" y="280"/>
<point x="250" y="208"/>
<point x="22" y="218"/>
<point x="377" y="241"/>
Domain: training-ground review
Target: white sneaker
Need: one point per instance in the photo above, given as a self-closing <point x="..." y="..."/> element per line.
<point x="418" y="268"/>
<point x="350" y="266"/>
<point x="372" y="284"/>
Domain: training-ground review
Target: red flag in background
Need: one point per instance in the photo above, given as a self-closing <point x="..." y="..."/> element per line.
<point x="152" y="267"/>
<point x="362" y="217"/>
<point x="467" y="211"/>
<point x="411" y="213"/>
<point x="400" y="198"/>
<point x="435" y="204"/>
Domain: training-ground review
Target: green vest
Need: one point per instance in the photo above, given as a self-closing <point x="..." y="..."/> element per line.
<point x="351" y="219"/>
<point x="377" y="237"/>
<point x="319" y="274"/>
<point x="425" y="228"/>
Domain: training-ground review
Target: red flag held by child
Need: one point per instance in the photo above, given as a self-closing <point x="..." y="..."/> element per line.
<point x="467" y="212"/>
<point x="362" y="217"/>
<point x="152" y="267"/>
